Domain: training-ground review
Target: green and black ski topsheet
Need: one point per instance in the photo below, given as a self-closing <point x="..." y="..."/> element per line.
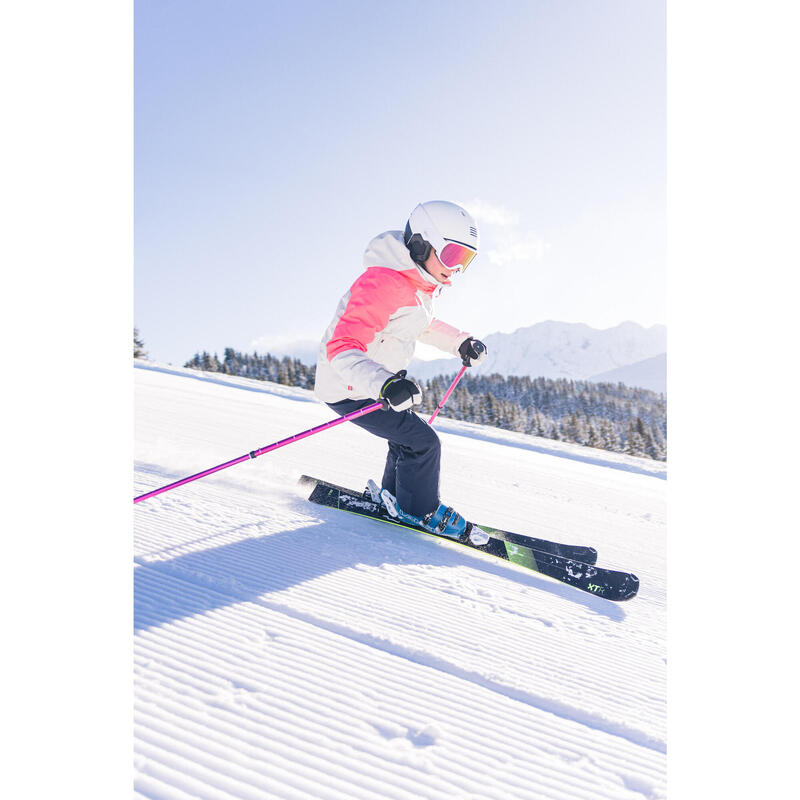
<point x="570" y="564"/>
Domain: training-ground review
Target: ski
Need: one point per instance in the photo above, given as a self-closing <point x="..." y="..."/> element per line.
<point x="607" y="583"/>
<point x="588" y="555"/>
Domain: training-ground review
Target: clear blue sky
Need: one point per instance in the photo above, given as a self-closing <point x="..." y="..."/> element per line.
<point x="274" y="139"/>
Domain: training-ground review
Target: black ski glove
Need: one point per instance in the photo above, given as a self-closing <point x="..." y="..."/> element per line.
<point x="472" y="352"/>
<point x="401" y="392"/>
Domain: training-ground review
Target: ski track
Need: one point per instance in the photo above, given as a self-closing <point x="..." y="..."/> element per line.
<point x="286" y="650"/>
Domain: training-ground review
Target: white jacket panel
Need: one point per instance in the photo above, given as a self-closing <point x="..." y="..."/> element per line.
<point x="378" y="322"/>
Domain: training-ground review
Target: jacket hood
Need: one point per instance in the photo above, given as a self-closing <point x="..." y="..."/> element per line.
<point x="389" y="250"/>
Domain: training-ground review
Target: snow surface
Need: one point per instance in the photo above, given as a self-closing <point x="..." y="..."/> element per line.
<point x="286" y="650"/>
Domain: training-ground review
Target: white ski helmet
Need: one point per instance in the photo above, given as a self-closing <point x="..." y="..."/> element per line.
<point x="446" y="228"/>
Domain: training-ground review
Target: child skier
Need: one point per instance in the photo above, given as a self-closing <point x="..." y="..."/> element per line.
<point x="370" y="342"/>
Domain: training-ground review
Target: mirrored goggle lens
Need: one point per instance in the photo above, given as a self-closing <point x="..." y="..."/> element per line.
<point x="454" y="254"/>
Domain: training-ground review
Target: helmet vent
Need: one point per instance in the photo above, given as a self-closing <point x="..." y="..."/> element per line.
<point x="473" y="231"/>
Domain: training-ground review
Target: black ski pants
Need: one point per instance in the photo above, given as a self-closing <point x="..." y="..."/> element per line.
<point x="412" y="466"/>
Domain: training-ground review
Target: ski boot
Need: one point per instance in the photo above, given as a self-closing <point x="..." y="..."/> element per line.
<point x="443" y="520"/>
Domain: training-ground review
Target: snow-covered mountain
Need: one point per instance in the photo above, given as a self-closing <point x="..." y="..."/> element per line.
<point x="651" y="373"/>
<point x="627" y="352"/>
<point x="286" y="650"/>
<point x="560" y="350"/>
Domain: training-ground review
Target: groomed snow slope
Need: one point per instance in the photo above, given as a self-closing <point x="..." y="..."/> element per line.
<point x="285" y="650"/>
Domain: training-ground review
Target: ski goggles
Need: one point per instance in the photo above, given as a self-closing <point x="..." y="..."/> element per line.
<point x="455" y="254"/>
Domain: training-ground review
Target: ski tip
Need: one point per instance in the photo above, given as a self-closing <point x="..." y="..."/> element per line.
<point x="630" y="588"/>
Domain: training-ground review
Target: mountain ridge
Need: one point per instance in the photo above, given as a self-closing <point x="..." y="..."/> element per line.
<point x="551" y="349"/>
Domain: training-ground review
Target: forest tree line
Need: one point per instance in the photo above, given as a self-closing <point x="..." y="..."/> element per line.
<point x="609" y="416"/>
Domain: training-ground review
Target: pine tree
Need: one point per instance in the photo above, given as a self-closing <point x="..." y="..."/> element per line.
<point x="138" y="345"/>
<point x="592" y="437"/>
<point x="230" y="364"/>
<point x="284" y="371"/>
<point x="634" y="442"/>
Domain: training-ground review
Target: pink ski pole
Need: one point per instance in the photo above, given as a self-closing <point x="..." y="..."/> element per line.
<point x="255" y="453"/>
<point x="447" y="394"/>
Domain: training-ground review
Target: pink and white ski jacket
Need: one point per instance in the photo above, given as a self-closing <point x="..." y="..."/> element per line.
<point x="378" y="322"/>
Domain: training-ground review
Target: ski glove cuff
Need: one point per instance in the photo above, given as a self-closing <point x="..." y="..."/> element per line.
<point x="401" y="392"/>
<point x="472" y="352"/>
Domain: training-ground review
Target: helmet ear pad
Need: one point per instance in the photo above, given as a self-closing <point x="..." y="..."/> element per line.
<point x="419" y="249"/>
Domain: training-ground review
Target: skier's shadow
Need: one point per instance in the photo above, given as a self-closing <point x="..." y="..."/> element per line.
<point x="171" y="589"/>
